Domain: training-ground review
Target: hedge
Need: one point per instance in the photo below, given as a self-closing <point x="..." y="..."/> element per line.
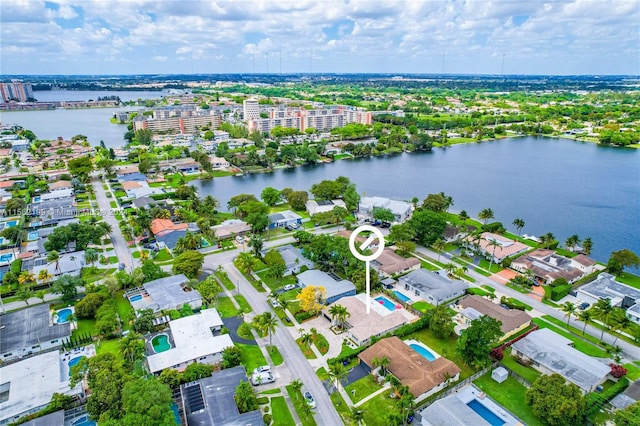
<point x="560" y="291"/>
<point x="594" y="401"/>
<point x="263" y="400"/>
<point x="302" y="316"/>
<point x="346" y="355"/>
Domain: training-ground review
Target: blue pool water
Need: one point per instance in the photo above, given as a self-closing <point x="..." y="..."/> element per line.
<point x="64" y="315"/>
<point x="32" y="235"/>
<point x="401" y="296"/>
<point x="204" y="243"/>
<point x="135" y="298"/>
<point x="83" y="421"/>
<point x="36" y="199"/>
<point x="6" y="257"/>
<point x="485" y="413"/>
<point x="426" y="354"/>
<point x="73" y="362"/>
<point x="386" y="303"/>
<point x="10" y="223"/>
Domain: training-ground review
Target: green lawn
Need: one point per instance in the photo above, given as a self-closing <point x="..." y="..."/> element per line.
<point x="306" y="350"/>
<point x="125" y="311"/>
<point x="226" y="282"/>
<point x="341" y="406"/>
<point x="571" y="328"/>
<point x="163" y="255"/>
<point x="516" y="302"/>
<point x="271" y="391"/>
<point x="377" y="409"/>
<point x="526" y="372"/>
<point x="422" y="306"/>
<point x="518" y="288"/>
<point x="362" y="388"/>
<point x="109" y="346"/>
<point x="84" y="327"/>
<point x="244" y="305"/>
<point x="252" y="357"/>
<point x="136" y="254"/>
<point x="578" y="343"/>
<point x="633" y="371"/>
<point x="478" y="291"/>
<point x="511" y="395"/>
<point x="297" y="400"/>
<point x="321" y="343"/>
<point x="629" y="279"/>
<point x="280" y="412"/>
<point x="445" y="347"/>
<point x="322" y="373"/>
<point x="484" y="263"/>
<point x="226" y="308"/>
<point x="275" y="355"/>
<point x="274" y="283"/>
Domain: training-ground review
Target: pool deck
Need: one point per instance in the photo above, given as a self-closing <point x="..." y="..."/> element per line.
<point x="88" y="351"/>
<point x="435" y="354"/>
<point x="471" y="392"/>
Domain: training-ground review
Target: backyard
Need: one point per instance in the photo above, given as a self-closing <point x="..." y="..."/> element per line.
<point x="446" y="347"/>
<point x="511" y="395"/>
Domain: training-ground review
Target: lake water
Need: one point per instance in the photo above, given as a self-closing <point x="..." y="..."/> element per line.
<point x="85" y="95"/>
<point x="555" y="185"/>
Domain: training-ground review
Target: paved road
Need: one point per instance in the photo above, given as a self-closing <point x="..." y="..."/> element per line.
<point x="297" y="364"/>
<point x="629" y="350"/>
<point x="118" y="241"/>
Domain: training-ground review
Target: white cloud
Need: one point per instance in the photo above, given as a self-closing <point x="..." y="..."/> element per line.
<point x="158" y="58"/>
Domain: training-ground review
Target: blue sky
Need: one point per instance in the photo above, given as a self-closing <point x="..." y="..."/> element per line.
<point x="191" y="36"/>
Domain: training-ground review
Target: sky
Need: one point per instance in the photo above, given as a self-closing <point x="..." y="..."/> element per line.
<point x="345" y="36"/>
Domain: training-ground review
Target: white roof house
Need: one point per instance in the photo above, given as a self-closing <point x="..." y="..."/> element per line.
<point x="68" y="264"/>
<point x="29" y="384"/>
<point x="315" y="207"/>
<point x="194" y="340"/>
<point x="400" y="209"/>
<point x="335" y="288"/>
<point x="552" y="353"/>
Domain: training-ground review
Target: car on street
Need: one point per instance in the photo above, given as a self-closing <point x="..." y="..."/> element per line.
<point x="289" y="287"/>
<point x="584" y="306"/>
<point x="309" y="399"/>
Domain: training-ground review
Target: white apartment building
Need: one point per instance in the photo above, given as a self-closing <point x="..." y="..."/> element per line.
<point x="250" y="109"/>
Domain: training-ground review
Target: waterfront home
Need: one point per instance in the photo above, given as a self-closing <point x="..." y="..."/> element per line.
<point x="30" y="331"/>
<point x="453" y="234"/>
<point x="293" y="258"/>
<point x="335" y="288"/>
<point x="164" y="294"/>
<point x="231" y="228"/>
<point x="27" y="386"/>
<point x="605" y="286"/>
<point x="496" y="246"/>
<point x="218" y="162"/>
<point x="400" y="209"/>
<point x="550" y="353"/>
<point x="433" y="287"/>
<point x="167" y="232"/>
<point x="389" y="263"/>
<point x="361" y="326"/>
<point x="283" y="219"/>
<point x="423" y="376"/>
<point x="211" y="401"/>
<point x="473" y="307"/>
<point x="314" y="207"/>
<point x="195" y="338"/>
<point x="547" y="266"/>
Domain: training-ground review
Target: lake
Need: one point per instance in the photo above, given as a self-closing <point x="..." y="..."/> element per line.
<point x="555" y="185"/>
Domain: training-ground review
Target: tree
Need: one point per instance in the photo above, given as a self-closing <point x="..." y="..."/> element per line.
<point x="188" y="263"/>
<point x="485" y="214"/>
<point x="81" y="167"/>
<point x="209" y="289"/>
<point x="267" y="323"/>
<point x="89" y="305"/>
<point x="326" y="190"/>
<point x="622" y="259"/>
<point x="356" y="415"/>
<point x="436" y="202"/>
<point x="351" y="198"/>
<point x="67" y="285"/>
<point x="620" y="321"/>
<point x="439" y="245"/>
<point x="106" y="165"/>
<point x="40" y="294"/>
<point x="603" y="310"/>
<point x="24" y="294"/>
<point x="231" y="357"/>
<point x="629" y="416"/>
<point x="440" y="322"/>
<point x="337" y="372"/>
<point x="274" y="257"/>
<point x="143" y="322"/>
<point x="584" y="316"/>
<point x="258" y="221"/>
<point x="312" y="298"/>
<point x="26" y="277"/>
<point x="132" y="349"/>
<point x="475" y="342"/>
<point x="170" y="377"/>
<point x="495" y="244"/>
<point x="428" y="226"/>
<point x="245" y="397"/>
<point x="587" y="246"/>
<point x="91" y="256"/>
<point x="296" y="386"/>
<point x="197" y="371"/>
<point x="146" y="401"/>
<point x="271" y="196"/>
<point x="555" y="401"/>
<point x="143" y="136"/>
<point x="298" y="199"/>
<point x="519" y="224"/>
<point x="569" y="309"/>
<point x="572" y="242"/>
<point x="401" y="232"/>
<point x="405" y="248"/>
<point x="339" y="314"/>
<point x="256" y="243"/>
<point x="383" y="215"/>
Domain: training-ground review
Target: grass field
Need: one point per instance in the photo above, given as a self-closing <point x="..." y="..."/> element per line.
<point x="252" y="357"/>
<point x="280" y="412"/>
<point x="511" y="395"/>
<point x="446" y="347"/>
<point x="422" y="306"/>
<point x="362" y="388"/>
<point x="226" y="282"/>
<point x="377" y="409"/>
<point x="242" y="302"/>
<point x="306" y="350"/>
<point x="274" y="283"/>
<point x="581" y="345"/>
<point x="629" y="279"/>
<point x="275" y="355"/>
<point x="526" y="372"/>
<point x="226" y="308"/>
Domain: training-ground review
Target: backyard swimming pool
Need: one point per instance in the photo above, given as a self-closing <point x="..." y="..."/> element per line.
<point x="485" y="413"/>
<point x="386" y="303"/>
<point x="83" y="421"/>
<point x="64" y="315"/>
<point x="426" y="352"/>
<point x="33" y="235"/>
<point x="135" y="298"/>
<point x="10" y="223"/>
<point x="73" y="362"/>
<point x="161" y="343"/>
<point x="7" y="257"/>
<point x="401" y="296"/>
<point x="204" y="243"/>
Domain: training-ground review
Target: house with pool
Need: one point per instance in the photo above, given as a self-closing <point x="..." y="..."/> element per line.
<point x="335" y="287"/>
<point x="27" y="386"/>
<point x="433" y="287"/>
<point x="196" y="338"/>
<point x="31" y="331"/>
<point x="414" y="364"/>
<point x="166" y="293"/>
<point x="473" y="307"/>
<point x="361" y="327"/>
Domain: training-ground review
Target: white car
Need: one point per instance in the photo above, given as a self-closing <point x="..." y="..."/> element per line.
<point x="262" y="378"/>
<point x="274" y="303"/>
<point x="289" y="287"/>
<point x="240" y="239"/>
<point x="309" y="398"/>
<point x="262" y="369"/>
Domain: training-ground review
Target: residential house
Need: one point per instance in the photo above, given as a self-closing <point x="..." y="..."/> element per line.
<point x="335" y="288"/>
<point x="550" y="353"/>
<point x="630" y="396"/>
<point x="30" y="331"/>
<point x="314" y="207"/>
<point x="61" y="185"/>
<point x="389" y="263"/>
<point x="211" y="401"/>
<point x="400" y="209"/>
<point x="293" y="259"/>
<point x="496" y="246"/>
<point x="548" y="266"/>
<point x="473" y="307"/>
<point x="453" y="234"/>
<point x="362" y="326"/>
<point x="606" y="287"/>
<point x="27" y="386"/>
<point x="189" y="167"/>
<point x="54" y="195"/>
<point x="164" y="294"/>
<point x="143" y="202"/>
<point x="231" y="228"/>
<point x="359" y="238"/>
<point x="218" y="162"/>
<point x="423" y="377"/>
<point x="195" y="338"/>
<point x="132" y="177"/>
<point x="433" y="287"/>
<point x="283" y="219"/>
<point x="167" y="232"/>
<point x="53" y="211"/>
<point x="67" y="264"/>
<point x="127" y="170"/>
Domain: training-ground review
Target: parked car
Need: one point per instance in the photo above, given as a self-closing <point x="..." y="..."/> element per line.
<point x="289" y="287"/>
<point x="309" y="398"/>
<point x="274" y="302"/>
<point x="584" y="306"/>
<point x="262" y="369"/>
<point x="240" y="239"/>
<point x="261" y="378"/>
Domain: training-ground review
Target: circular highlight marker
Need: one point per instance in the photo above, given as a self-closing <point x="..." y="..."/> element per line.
<point x="367" y="243"/>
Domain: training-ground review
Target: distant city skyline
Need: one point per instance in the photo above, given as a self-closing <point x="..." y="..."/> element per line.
<point x="202" y="37"/>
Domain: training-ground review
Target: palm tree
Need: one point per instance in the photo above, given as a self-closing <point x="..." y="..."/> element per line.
<point x="572" y="242"/>
<point x="587" y="245"/>
<point x="245" y="262"/>
<point x="485" y="214"/>
<point x="144" y="255"/>
<point x="450" y="267"/>
<point x="494" y="244"/>
<point x="296" y="386"/>
<point x="584" y="316"/>
<point x="603" y="310"/>
<point x="54" y="257"/>
<point x="24" y="294"/>
<point x="569" y="309"/>
<point x="268" y="324"/>
<point x="438" y="246"/>
<point x="90" y="256"/>
<point x="40" y="294"/>
<point x="44" y="276"/>
<point x="621" y="321"/>
<point x="463" y="216"/>
<point x="356" y="415"/>
<point x="519" y="224"/>
<point x="306" y="338"/>
<point x="337" y="373"/>
<point x="384" y="363"/>
<point x="104" y="229"/>
<point x="256" y="243"/>
<point x="26" y="277"/>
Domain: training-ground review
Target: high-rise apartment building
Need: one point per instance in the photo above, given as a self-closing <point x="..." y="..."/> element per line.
<point x="250" y="109"/>
<point x="16" y="91"/>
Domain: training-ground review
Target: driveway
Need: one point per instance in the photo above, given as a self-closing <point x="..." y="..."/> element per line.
<point x="232" y="323"/>
<point x="355" y="374"/>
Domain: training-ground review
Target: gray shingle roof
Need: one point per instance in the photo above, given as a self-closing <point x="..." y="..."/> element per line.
<point x="26" y="327"/>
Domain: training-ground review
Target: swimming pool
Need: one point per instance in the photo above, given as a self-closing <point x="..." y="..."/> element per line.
<point x="204" y="243"/>
<point x="135" y="298"/>
<point x="401" y="296"/>
<point x="73" y="362"/>
<point x="36" y="199"/>
<point x="425" y="351"/>
<point x="7" y="257"/>
<point x="386" y="303"/>
<point x="485" y="413"/>
<point x="32" y="235"/>
<point x="10" y="223"/>
<point x="83" y="421"/>
<point x="64" y="315"/>
<point x="161" y="343"/>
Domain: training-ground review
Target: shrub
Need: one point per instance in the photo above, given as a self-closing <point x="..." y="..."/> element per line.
<point x="507" y="262"/>
<point x="594" y="401"/>
<point x="495" y="227"/>
<point x="559" y="292"/>
<point x="497" y="354"/>
<point x="617" y="370"/>
<point x="267" y="419"/>
<point x="263" y="400"/>
<point x="346" y="355"/>
<point x="89" y="305"/>
<point x="302" y="316"/>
